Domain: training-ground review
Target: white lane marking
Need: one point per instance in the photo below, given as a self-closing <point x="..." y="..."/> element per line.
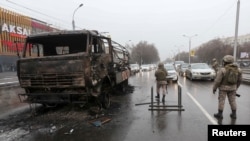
<point x="211" y="119"/>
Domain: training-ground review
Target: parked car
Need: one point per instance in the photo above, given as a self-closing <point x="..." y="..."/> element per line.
<point x="200" y="71"/>
<point x="182" y="69"/>
<point x="145" y="67"/>
<point x="134" y="68"/>
<point x="172" y="74"/>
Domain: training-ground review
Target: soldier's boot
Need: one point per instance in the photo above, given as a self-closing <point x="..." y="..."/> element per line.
<point x="163" y="98"/>
<point x="157" y="96"/>
<point x="233" y="114"/>
<point x="219" y="114"/>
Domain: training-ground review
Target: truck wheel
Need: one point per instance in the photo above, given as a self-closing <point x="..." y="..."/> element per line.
<point x="105" y="96"/>
<point x="123" y="86"/>
<point x="105" y="99"/>
<point x="125" y="82"/>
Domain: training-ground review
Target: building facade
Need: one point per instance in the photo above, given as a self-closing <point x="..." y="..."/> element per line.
<point x="14" y="28"/>
<point x="241" y="39"/>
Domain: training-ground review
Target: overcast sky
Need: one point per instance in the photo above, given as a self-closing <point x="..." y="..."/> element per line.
<point x="159" y="22"/>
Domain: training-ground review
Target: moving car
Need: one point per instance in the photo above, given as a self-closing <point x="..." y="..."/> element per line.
<point x="172" y="74"/>
<point x="145" y="67"/>
<point x="177" y="64"/>
<point x="182" y="70"/>
<point x="200" y="71"/>
<point x="134" y="68"/>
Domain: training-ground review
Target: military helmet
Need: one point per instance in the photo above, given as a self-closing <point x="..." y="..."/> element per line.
<point x="160" y="65"/>
<point x="228" y="59"/>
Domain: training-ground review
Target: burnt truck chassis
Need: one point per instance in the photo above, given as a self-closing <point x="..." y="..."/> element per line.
<point x="84" y="65"/>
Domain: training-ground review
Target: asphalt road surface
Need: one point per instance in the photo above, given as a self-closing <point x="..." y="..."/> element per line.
<point x="129" y="118"/>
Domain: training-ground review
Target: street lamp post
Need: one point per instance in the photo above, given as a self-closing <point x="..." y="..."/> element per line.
<point x="236" y="31"/>
<point x="189" y="37"/>
<point x="73" y="21"/>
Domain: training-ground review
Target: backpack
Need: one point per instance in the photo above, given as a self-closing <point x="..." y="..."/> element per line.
<point x="232" y="75"/>
<point x="160" y="75"/>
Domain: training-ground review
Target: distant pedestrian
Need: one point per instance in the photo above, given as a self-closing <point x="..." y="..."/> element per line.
<point x="161" y="81"/>
<point x="215" y="65"/>
<point x="228" y="80"/>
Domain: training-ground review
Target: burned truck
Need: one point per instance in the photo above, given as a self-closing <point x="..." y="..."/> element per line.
<point x="71" y="67"/>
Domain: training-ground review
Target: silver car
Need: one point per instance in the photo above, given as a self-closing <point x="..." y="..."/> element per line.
<point x="145" y="67"/>
<point x="182" y="70"/>
<point x="200" y="71"/>
<point x="172" y="74"/>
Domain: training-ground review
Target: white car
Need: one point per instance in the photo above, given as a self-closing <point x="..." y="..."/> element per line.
<point x="145" y="67"/>
<point x="177" y="64"/>
<point x="200" y="71"/>
<point x="172" y="74"/>
<point x="134" y="68"/>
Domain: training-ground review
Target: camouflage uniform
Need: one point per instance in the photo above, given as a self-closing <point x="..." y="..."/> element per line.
<point x="225" y="88"/>
<point x="215" y="65"/>
<point x="161" y="80"/>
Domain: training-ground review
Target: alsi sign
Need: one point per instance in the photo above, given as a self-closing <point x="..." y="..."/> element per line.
<point x="18" y="30"/>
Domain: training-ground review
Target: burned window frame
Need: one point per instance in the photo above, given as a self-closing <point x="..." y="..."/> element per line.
<point x="99" y="45"/>
<point x="48" y="46"/>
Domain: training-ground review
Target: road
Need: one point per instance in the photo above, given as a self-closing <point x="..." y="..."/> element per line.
<point x="132" y="121"/>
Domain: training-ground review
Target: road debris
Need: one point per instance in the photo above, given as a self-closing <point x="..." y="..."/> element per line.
<point x="100" y="121"/>
<point x="70" y="132"/>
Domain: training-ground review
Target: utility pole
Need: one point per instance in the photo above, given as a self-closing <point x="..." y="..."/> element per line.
<point x="236" y="31"/>
<point x="189" y="37"/>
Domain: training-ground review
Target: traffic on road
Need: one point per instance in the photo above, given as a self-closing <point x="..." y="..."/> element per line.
<point x="129" y="116"/>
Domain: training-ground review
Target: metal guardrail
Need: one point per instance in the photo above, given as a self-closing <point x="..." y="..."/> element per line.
<point x="165" y="107"/>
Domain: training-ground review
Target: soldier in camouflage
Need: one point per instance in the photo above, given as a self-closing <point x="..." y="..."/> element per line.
<point x="226" y="88"/>
<point x="215" y="65"/>
<point x="161" y="81"/>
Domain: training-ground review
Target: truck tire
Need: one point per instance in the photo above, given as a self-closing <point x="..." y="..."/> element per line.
<point x="105" y="100"/>
<point x="122" y="86"/>
<point x="105" y="95"/>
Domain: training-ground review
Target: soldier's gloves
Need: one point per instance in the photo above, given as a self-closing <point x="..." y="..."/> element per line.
<point x="214" y="91"/>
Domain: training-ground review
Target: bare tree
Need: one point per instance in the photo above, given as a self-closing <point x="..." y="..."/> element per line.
<point x="144" y="53"/>
<point x="212" y="49"/>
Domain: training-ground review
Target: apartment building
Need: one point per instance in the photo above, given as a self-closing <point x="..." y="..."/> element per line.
<point x="241" y="39"/>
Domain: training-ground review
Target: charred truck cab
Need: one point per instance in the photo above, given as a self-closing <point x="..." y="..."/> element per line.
<point x="71" y="67"/>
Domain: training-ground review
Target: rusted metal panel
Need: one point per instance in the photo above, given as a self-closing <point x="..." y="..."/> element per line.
<point x="67" y="63"/>
<point x="122" y="76"/>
